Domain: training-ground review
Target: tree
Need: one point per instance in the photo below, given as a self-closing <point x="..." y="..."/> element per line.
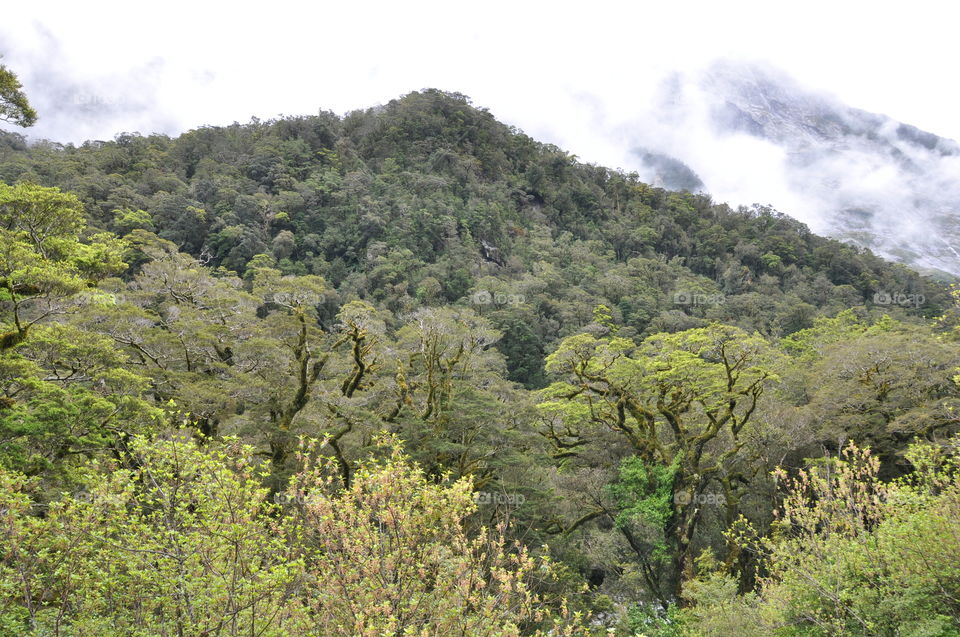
<point x="186" y="330"/>
<point x="680" y="405"/>
<point x="67" y="395"/>
<point x="390" y="554"/>
<point x="450" y="385"/>
<point x="42" y="260"/>
<point x="292" y="323"/>
<point x="14" y="106"/>
<point x="63" y="391"/>
<point x="882" y="383"/>
<point x="188" y="542"/>
<point x="182" y="545"/>
<point x="849" y="553"/>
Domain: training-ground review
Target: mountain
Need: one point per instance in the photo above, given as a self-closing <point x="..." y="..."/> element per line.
<point x="853" y="175"/>
<point x="428" y="200"/>
<point x="410" y="353"/>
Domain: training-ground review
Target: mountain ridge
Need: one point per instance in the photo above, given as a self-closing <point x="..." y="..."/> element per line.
<point x="857" y="176"/>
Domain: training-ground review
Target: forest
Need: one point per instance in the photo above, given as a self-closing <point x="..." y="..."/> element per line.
<point x="408" y="371"/>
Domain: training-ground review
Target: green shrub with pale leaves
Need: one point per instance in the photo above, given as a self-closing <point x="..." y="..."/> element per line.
<point x="190" y="542"/>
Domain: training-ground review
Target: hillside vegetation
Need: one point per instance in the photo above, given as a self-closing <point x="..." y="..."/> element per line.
<point x="408" y="371"/>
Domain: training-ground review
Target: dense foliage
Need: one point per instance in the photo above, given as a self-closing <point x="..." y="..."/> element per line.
<point x="612" y="400"/>
<point x="428" y="201"/>
<point x="14" y="105"/>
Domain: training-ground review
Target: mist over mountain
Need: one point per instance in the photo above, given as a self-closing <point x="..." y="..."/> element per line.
<point x="749" y="133"/>
<point x="744" y="132"/>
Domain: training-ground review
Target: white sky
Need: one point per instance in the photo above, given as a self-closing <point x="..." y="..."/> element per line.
<point x="562" y="72"/>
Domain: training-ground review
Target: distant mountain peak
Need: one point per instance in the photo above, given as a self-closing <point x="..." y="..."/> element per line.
<point x="765" y="102"/>
<point x="860" y="176"/>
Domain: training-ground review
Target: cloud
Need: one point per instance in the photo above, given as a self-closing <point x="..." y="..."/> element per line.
<point x="522" y="60"/>
<point x="587" y="79"/>
<point x="77" y="106"/>
<point x="753" y="135"/>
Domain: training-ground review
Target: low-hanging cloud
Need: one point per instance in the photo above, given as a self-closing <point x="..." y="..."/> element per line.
<point x="753" y="135"/>
<point x="623" y="86"/>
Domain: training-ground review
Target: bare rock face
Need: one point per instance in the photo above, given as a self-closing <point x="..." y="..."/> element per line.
<point x="669" y="172"/>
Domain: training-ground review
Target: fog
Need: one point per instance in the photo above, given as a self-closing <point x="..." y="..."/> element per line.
<point x="752" y="134"/>
<point x="624" y="86"/>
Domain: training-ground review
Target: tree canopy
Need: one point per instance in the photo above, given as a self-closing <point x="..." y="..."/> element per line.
<point x="409" y="371"/>
<point x="14" y="106"/>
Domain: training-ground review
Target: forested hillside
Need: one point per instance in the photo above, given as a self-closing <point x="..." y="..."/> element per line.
<point x="409" y="371"/>
<point x="428" y="201"/>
